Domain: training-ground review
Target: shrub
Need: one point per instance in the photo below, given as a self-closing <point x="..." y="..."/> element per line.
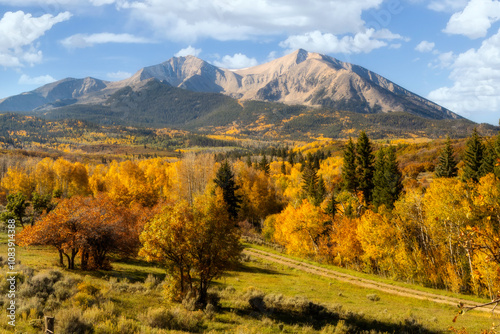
<point x="71" y="321"/>
<point x="96" y="314"/>
<point x="41" y="285"/>
<point x="65" y="288"/>
<point x="174" y="319"/>
<point x="127" y="326"/>
<point x="373" y="297"/>
<point x="151" y="282"/>
<point x="158" y="318"/>
<point x="88" y="295"/>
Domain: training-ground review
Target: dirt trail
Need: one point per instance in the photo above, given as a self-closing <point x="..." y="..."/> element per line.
<point x="366" y="283"/>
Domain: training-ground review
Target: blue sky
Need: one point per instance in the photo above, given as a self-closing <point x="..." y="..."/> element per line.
<point x="445" y="50"/>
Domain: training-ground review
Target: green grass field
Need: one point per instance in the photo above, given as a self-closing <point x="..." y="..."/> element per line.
<point x="351" y="309"/>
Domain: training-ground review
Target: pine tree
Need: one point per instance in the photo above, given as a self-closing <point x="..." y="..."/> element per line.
<point x="224" y="178"/>
<point x="313" y="187"/>
<point x="393" y="177"/>
<point x="249" y="161"/>
<point x="473" y="158"/>
<point x="264" y="165"/>
<point x="331" y="208"/>
<point x="488" y="163"/>
<point x="447" y="166"/>
<point x="380" y="190"/>
<point x="309" y="182"/>
<point x="349" y="181"/>
<point x="364" y="169"/>
<point x="387" y="178"/>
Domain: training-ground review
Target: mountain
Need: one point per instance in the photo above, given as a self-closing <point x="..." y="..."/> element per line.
<point x="66" y="91"/>
<point x="301" y="78"/>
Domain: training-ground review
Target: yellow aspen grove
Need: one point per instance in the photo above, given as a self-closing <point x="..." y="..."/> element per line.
<point x="17" y="180"/>
<point x="300" y="229"/>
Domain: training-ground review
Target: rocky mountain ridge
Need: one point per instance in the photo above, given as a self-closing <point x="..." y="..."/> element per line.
<point x="302" y="78"/>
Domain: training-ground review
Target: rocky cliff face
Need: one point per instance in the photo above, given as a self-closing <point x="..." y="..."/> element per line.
<point x="299" y="78"/>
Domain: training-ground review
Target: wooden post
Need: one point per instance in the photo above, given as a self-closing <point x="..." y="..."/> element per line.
<point x="49" y="325"/>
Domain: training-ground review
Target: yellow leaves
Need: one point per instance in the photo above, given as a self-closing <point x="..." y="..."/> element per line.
<point x="299" y="229"/>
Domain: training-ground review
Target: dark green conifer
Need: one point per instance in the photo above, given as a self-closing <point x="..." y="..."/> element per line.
<point x="224" y="178"/>
<point x="349" y="181"/>
<point x="447" y="166"/>
<point x="364" y="168"/>
<point x="473" y="158"/>
<point x="488" y="163"/>
<point x="264" y="165"/>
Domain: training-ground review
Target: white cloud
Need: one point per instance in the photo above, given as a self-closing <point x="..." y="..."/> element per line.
<point x="120" y="75"/>
<point x="475" y="92"/>
<point x="237" y="61"/>
<point x="18" y="31"/>
<point x="190" y="20"/>
<point x="425" y="46"/>
<point x="189" y="51"/>
<point x="40" y="80"/>
<point x="363" y="42"/>
<point x="475" y="20"/>
<point x="85" y="41"/>
<point x="102" y="2"/>
<point x="447" y="5"/>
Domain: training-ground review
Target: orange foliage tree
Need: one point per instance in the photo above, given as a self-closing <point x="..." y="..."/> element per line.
<point x="91" y="227"/>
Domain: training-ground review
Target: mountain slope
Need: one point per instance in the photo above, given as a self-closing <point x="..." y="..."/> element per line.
<point x="157" y="104"/>
<point x="66" y="91"/>
<point x="298" y="78"/>
<point x="301" y="78"/>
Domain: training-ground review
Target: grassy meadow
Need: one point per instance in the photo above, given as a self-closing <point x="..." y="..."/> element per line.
<point x="256" y="297"/>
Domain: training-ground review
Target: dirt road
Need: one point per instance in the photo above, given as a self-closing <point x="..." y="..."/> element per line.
<point x="366" y="283"/>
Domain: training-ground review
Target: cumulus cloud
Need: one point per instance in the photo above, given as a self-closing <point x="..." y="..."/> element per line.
<point x="18" y="32"/>
<point x="190" y="20"/>
<point x="120" y="75"/>
<point x="475" y="92"/>
<point x="85" y="41"/>
<point x="425" y="46"/>
<point x="363" y="42"/>
<point x="237" y="61"/>
<point x="40" y="80"/>
<point x="475" y="20"/>
<point x="189" y="51"/>
<point x="447" y="5"/>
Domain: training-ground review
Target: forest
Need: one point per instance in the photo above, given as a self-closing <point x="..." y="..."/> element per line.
<point x="424" y="213"/>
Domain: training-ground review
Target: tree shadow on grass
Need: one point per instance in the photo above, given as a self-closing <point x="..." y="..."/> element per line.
<point x="243" y="268"/>
<point x="137" y="274"/>
<point x="302" y="312"/>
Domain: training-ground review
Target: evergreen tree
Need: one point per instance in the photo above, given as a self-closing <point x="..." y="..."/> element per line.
<point x="224" y="178"/>
<point x="320" y="190"/>
<point x="488" y="163"/>
<point x="349" y="181"/>
<point x="309" y="182"/>
<point x="264" y="165"/>
<point x="313" y="187"/>
<point x="393" y="177"/>
<point x="15" y="208"/>
<point x="364" y="168"/>
<point x="249" y="160"/>
<point x="331" y="208"/>
<point x="473" y="158"/>
<point x="380" y="190"/>
<point x="387" y="178"/>
<point x="291" y="157"/>
<point x="283" y="168"/>
<point x="447" y="166"/>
